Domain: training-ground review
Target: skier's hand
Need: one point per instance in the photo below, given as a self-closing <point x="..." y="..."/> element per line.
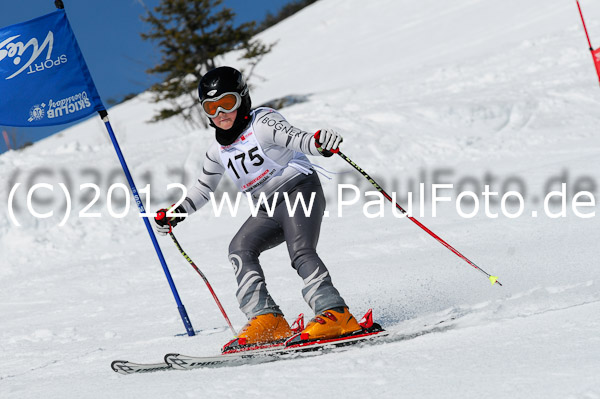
<point x="164" y="224"/>
<point x="327" y="142"/>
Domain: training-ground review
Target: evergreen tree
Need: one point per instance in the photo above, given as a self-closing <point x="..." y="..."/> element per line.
<point x="191" y="35"/>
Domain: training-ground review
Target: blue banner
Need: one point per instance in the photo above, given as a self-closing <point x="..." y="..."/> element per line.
<point x="43" y="77"/>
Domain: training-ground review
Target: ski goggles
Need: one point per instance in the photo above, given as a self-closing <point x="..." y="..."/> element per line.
<point x="226" y="102"/>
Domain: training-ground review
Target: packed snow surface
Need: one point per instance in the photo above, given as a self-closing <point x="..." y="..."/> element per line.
<point x="470" y="92"/>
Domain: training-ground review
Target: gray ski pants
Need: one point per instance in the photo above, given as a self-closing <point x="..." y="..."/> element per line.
<point x="301" y="234"/>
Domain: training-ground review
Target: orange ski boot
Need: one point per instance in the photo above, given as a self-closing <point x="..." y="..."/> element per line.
<point x="331" y="323"/>
<point x="262" y="329"/>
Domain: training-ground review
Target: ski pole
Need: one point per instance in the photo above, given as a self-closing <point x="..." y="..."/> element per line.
<point x="493" y="279"/>
<point x="205" y="280"/>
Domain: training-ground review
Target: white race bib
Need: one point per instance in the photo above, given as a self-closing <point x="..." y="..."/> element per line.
<point x="247" y="164"/>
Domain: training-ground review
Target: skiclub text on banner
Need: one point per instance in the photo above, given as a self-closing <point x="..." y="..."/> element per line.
<point x="43" y="77"/>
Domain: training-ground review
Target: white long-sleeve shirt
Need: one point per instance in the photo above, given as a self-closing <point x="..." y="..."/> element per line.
<point x="269" y="153"/>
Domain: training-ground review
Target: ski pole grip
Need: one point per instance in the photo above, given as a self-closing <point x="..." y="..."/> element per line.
<point x="323" y="151"/>
<point x="318" y="145"/>
<point x="317" y="136"/>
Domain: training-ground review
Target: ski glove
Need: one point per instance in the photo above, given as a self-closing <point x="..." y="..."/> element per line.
<point x="327" y="142"/>
<point x="163" y="224"/>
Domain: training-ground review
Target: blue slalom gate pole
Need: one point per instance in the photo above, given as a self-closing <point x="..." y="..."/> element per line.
<point x="138" y="201"/>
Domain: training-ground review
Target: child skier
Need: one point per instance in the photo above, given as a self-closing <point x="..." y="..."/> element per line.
<point x="262" y="153"/>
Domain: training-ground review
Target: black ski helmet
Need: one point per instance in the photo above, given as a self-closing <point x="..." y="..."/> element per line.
<point x="224" y="80"/>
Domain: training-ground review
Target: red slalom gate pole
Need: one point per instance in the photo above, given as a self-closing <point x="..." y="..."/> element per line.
<point x="493" y="279"/>
<point x="595" y="53"/>
<point x="584" y="27"/>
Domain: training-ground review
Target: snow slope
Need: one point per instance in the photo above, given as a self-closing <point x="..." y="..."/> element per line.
<point x="468" y="92"/>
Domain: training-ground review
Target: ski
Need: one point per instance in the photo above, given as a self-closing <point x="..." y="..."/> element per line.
<point x="293" y="348"/>
<point x="263" y="355"/>
<point x="126" y="367"/>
